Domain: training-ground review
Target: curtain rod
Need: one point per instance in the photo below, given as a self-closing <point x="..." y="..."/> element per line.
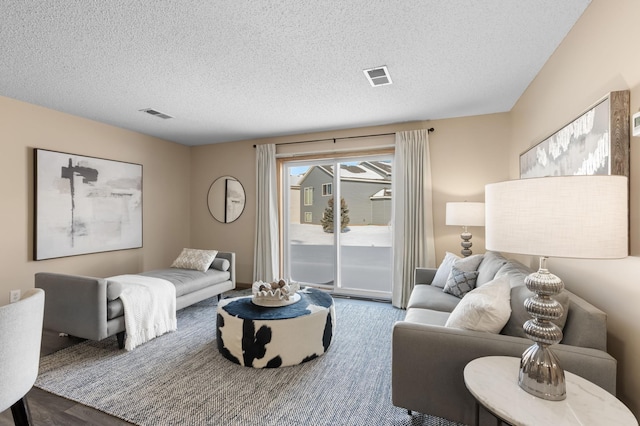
<point x="431" y="129"/>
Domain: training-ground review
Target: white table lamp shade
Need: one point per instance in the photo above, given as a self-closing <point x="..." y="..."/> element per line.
<point x="465" y="214"/>
<point x="568" y="216"/>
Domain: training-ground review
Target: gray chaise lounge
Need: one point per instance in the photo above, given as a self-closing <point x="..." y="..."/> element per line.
<point x="89" y="307"/>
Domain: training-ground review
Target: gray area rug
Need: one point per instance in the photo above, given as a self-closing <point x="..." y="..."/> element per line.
<point x="181" y="378"/>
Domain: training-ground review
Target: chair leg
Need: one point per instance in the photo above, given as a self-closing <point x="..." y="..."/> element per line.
<point x="120" y="337"/>
<point x="21" y="413"/>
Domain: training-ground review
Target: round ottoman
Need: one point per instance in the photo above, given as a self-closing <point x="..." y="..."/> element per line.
<point x="269" y="337"/>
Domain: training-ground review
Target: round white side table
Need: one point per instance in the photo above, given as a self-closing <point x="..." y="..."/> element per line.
<point x="493" y="381"/>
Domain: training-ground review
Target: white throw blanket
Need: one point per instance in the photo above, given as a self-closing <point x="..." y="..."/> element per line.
<point x="149" y="308"/>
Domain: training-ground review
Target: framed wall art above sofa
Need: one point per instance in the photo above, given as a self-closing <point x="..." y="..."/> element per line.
<point x="595" y="143"/>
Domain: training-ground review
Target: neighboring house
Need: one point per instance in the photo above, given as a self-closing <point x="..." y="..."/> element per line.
<point x="365" y="187"/>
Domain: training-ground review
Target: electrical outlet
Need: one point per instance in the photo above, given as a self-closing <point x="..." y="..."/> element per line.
<point x="14" y="296"/>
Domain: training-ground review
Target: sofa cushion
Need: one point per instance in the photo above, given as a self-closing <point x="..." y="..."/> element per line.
<point x="460" y="282"/>
<point x="426" y="316"/>
<point x="189" y="280"/>
<point x="199" y="260"/>
<point x="491" y="262"/>
<point x="426" y="296"/>
<point x="485" y="308"/>
<point x="516" y="272"/>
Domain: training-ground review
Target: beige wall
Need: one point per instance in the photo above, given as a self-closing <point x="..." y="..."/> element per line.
<point x="599" y="55"/>
<point x="466" y="154"/>
<point x="166" y="177"/>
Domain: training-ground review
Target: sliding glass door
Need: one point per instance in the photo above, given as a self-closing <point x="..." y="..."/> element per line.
<point x="337" y="229"/>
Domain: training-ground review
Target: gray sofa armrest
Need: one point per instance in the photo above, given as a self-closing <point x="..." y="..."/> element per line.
<point x="75" y="305"/>
<point x="424" y="275"/>
<point x="231" y="257"/>
<point x="586" y="325"/>
<point x="428" y="363"/>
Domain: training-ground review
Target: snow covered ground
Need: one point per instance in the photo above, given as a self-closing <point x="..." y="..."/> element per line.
<point x="365" y="257"/>
<point x="366" y="236"/>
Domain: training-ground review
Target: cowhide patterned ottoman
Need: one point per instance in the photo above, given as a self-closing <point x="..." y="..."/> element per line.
<point x="269" y="337"/>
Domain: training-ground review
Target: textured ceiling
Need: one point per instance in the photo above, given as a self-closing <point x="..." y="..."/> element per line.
<point x="236" y="70"/>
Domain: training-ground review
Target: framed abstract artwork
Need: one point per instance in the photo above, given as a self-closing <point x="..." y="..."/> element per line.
<point x="85" y="205"/>
<point x="595" y="143"/>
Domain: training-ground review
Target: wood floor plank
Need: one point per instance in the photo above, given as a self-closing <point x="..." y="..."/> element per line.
<point x="95" y="417"/>
<point x="52" y="410"/>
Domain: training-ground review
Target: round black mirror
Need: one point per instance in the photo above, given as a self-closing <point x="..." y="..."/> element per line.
<point x="226" y="199"/>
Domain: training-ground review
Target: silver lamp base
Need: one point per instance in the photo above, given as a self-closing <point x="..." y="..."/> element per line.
<point x="540" y="372"/>
<point x="466" y="242"/>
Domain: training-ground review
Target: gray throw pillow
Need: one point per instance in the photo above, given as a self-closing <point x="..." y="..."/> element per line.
<point x="460" y="282"/>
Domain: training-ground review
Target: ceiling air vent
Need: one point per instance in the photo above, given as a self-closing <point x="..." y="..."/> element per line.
<point x="378" y="76"/>
<point x="156" y="113"/>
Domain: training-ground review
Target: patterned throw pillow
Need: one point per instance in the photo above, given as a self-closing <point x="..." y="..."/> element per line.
<point x="200" y="260"/>
<point x="460" y="282"/>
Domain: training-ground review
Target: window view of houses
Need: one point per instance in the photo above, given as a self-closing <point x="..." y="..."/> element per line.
<point x="355" y="205"/>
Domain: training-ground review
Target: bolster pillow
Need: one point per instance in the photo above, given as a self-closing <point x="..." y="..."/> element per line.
<point x="221" y="264"/>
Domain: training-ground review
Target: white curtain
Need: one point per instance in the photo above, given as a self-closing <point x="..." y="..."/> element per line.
<point x="266" y="256"/>
<point x="413" y="241"/>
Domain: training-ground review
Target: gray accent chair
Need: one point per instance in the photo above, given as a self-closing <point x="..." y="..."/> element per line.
<point x="20" y="340"/>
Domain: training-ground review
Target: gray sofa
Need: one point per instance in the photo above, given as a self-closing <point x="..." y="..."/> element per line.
<point x="89" y="307"/>
<point x="428" y="358"/>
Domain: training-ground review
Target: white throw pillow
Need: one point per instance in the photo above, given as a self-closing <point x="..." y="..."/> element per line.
<point x="485" y="308"/>
<point x="200" y="260"/>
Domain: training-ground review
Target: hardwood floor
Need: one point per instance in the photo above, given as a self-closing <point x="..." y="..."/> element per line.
<point x="49" y="409"/>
